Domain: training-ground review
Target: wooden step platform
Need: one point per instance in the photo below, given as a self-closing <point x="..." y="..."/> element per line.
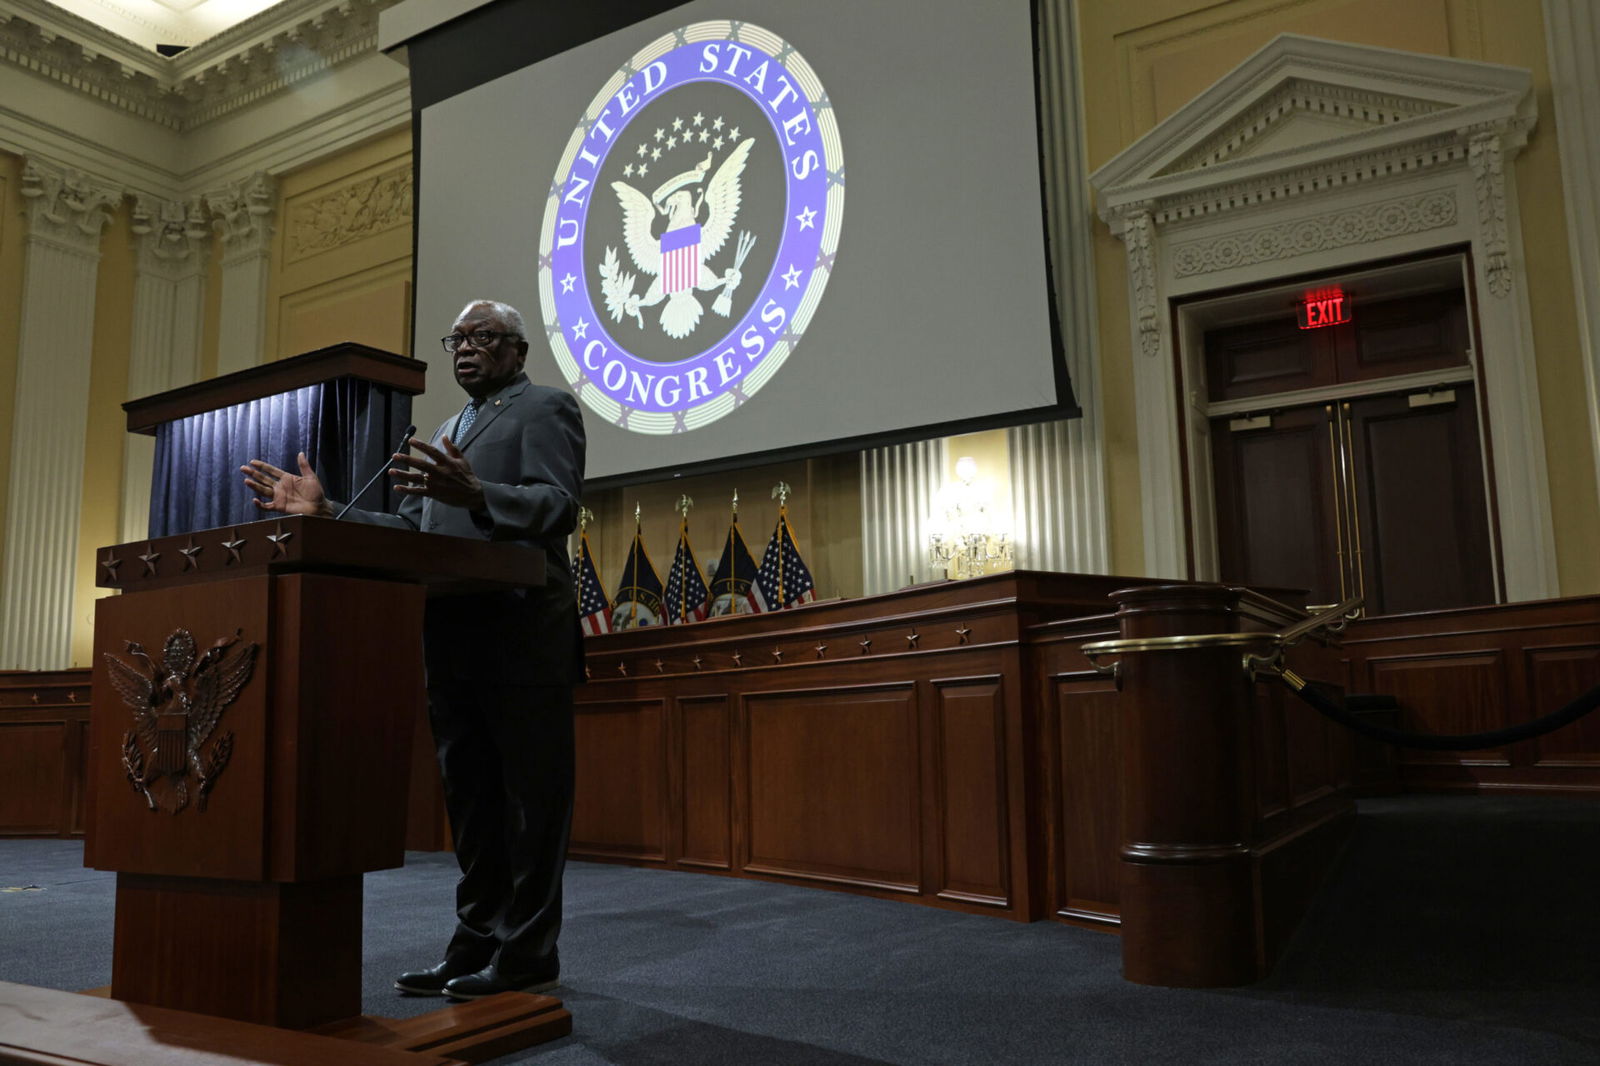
<point x="47" y="1027"/>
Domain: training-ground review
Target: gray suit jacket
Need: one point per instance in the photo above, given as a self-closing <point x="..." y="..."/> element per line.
<point x="527" y="448"/>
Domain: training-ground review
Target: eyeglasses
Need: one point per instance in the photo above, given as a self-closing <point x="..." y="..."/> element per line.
<point x="480" y="339"/>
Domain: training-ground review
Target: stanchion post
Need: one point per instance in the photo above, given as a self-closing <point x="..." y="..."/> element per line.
<point x="1188" y="907"/>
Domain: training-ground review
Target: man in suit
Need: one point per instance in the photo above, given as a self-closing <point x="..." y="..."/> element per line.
<point x="500" y="666"/>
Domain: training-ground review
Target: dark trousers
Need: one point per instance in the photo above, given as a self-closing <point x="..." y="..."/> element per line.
<point x="506" y="752"/>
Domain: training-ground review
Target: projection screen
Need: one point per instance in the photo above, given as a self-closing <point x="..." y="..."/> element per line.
<point x="750" y="229"/>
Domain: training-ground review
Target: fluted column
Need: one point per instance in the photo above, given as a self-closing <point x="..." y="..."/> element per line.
<point x="168" y="311"/>
<point x="65" y="213"/>
<point x="243" y="214"/>
<point x="898" y="485"/>
<point x="1058" y="485"/>
<point x="1058" y="498"/>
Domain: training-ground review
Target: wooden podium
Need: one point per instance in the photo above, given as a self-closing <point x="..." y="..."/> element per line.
<point x="255" y="689"/>
<point x="255" y="694"/>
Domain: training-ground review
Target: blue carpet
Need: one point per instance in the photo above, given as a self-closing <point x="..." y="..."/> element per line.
<point x="1458" y="930"/>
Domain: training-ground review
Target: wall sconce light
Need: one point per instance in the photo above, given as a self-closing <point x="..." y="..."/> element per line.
<point x="964" y="536"/>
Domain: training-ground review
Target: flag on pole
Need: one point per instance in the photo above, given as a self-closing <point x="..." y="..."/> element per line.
<point x="638" y="599"/>
<point x="594" y="610"/>
<point x="730" y="582"/>
<point x="783" y="579"/>
<point x="687" y="598"/>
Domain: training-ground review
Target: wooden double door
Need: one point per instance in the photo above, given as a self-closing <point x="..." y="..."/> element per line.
<point x="1379" y="488"/>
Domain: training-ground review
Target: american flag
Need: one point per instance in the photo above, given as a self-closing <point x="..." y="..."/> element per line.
<point x="783" y="579"/>
<point x="680" y="258"/>
<point x="730" y="582"/>
<point x="638" y="599"/>
<point x="594" y="610"/>
<point x="687" y="598"/>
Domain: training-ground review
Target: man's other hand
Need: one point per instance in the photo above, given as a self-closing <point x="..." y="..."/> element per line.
<point x="279" y="490"/>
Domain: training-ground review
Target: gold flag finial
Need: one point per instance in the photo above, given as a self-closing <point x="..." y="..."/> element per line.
<point x="736" y="503"/>
<point x="684" y="503"/>
<point x="780" y="492"/>
<point x="637" y="511"/>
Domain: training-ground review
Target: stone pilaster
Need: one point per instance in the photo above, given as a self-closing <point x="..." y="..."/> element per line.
<point x="171" y="240"/>
<point x="243" y="213"/>
<point x="65" y="212"/>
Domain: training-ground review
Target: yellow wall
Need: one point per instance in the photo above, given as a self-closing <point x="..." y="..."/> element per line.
<point x="100" y="520"/>
<point x="1154" y="56"/>
<point x="341" y="252"/>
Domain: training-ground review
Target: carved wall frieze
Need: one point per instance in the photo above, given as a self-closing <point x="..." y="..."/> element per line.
<point x="233" y="70"/>
<point x="351" y="213"/>
<point x="1337" y="173"/>
<point x="176" y="706"/>
<point x="66" y="207"/>
<point x="170" y="236"/>
<point x="1300" y="236"/>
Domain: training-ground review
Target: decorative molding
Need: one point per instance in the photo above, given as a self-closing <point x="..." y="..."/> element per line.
<point x="1137" y="233"/>
<point x="354" y="212"/>
<point x="1358" y="107"/>
<point x="242" y="211"/>
<point x="66" y="207"/>
<point x="1489" y="180"/>
<point x="282" y="46"/>
<point x="170" y="236"/>
<point x="1304" y="236"/>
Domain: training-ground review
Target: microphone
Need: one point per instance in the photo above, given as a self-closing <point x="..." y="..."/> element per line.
<point x="409" y="433"/>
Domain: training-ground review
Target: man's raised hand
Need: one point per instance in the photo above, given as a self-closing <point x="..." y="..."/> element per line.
<point x="279" y="490"/>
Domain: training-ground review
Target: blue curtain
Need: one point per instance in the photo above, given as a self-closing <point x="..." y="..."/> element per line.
<point x="347" y="428"/>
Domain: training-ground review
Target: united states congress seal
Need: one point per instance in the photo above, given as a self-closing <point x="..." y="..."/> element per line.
<point x="691" y="227"/>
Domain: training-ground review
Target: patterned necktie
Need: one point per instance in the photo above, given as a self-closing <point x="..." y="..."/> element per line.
<point x="468" y="416"/>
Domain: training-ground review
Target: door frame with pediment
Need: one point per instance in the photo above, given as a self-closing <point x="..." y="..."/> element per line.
<point x="1314" y="157"/>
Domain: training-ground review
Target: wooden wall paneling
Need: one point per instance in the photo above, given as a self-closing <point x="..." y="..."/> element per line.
<point x="705" y="803"/>
<point x="1447" y="692"/>
<point x="620" y="808"/>
<point x="44" y="718"/>
<point x="33" y="761"/>
<point x="1086" y="807"/>
<point x="970" y="791"/>
<point x="1556" y="675"/>
<point x="833" y="785"/>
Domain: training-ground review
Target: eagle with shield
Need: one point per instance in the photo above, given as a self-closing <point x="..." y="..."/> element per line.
<point x="176" y="705"/>
<point x="678" y="258"/>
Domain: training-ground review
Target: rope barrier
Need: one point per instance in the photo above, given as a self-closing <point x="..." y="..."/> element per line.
<point x="1441" y="742"/>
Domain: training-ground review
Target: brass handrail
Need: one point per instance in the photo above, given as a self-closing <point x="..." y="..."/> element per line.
<point x="1331" y="620"/>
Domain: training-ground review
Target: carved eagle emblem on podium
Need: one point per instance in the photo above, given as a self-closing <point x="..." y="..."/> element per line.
<point x="176" y="706"/>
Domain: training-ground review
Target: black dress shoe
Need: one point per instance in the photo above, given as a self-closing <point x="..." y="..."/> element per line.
<point x="431" y="982"/>
<point x="489" y="981"/>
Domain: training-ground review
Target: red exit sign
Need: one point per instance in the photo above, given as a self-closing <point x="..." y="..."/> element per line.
<point x="1326" y="307"/>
